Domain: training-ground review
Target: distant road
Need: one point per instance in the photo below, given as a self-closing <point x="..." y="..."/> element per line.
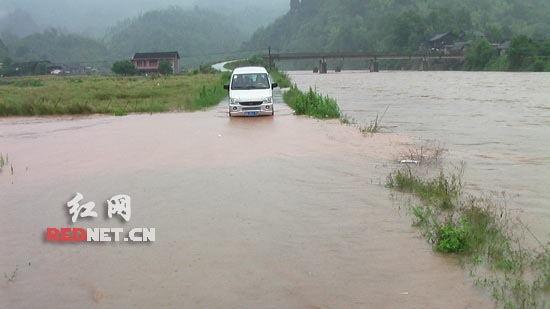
<point x="220" y="66"/>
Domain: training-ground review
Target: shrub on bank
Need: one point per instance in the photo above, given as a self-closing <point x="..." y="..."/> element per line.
<point x="124" y="68"/>
<point x="165" y="67"/>
<point x="311" y="104"/>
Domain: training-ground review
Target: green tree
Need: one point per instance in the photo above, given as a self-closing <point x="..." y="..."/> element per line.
<point x="545" y="49"/>
<point x="7" y="67"/>
<point x="494" y="33"/>
<point x="3" y="50"/>
<point x="124" y="68"/>
<point x="165" y="67"/>
<point x="408" y="31"/>
<point x="479" y="55"/>
<point x="521" y="53"/>
<point x="41" y="69"/>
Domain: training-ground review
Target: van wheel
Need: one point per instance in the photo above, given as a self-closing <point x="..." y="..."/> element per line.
<point x="229" y="112"/>
<point x="272" y="112"/>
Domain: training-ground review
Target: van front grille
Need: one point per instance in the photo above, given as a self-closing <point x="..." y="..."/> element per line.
<point x="250" y="103"/>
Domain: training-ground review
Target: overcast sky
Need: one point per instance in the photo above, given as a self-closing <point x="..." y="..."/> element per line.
<point x="92" y="17"/>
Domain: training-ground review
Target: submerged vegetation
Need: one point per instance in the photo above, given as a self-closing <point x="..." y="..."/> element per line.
<point x="311" y="103"/>
<point x="482" y="233"/>
<point x="4" y="162"/>
<point x="110" y="95"/>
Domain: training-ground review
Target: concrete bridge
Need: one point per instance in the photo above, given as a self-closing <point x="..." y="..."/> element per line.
<point x="373" y="57"/>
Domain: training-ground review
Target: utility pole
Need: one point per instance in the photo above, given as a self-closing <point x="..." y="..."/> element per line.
<point x="270" y="61"/>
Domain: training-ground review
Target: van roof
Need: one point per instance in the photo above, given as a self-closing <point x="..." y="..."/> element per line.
<point x="249" y="70"/>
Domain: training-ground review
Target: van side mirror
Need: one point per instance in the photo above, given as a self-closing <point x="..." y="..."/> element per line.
<point x="226" y="87"/>
<point x="274" y="85"/>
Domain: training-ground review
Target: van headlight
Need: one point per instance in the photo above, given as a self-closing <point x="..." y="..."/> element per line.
<point x="268" y="100"/>
<point x="233" y="101"/>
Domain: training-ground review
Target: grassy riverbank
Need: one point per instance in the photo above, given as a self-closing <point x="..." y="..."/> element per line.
<point x="109" y="95"/>
<point x="482" y="233"/>
<point x="311" y="103"/>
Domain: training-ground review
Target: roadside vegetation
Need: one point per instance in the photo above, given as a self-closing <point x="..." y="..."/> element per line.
<point x="478" y="230"/>
<point x="311" y="103"/>
<point x="109" y="95"/>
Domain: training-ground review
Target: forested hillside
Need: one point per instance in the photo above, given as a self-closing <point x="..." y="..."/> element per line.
<point x="398" y="25"/>
<point x="198" y="33"/>
<point x="3" y="50"/>
<point x="17" y="24"/>
<point x="58" y="47"/>
<point x="92" y="18"/>
<point x="195" y="33"/>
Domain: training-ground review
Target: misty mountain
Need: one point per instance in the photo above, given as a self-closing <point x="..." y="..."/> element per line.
<point x="392" y="25"/>
<point x="17" y="23"/>
<point x="196" y="32"/>
<point x="3" y="50"/>
<point x="199" y="35"/>
<point x="58" y="47"/>
<point x="92" y="18"/>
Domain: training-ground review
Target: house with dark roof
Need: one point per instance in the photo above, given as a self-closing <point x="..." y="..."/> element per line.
<point x="503" y="47"/>
<point x="457" y="48"/>
<point x="29" y="68"/>
<point x="149" y="62"/>
<point x="439" y="41"/>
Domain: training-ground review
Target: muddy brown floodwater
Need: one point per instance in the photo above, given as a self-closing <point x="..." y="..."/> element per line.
<point x="497" y="123"/>
<point x="283" y="212"/>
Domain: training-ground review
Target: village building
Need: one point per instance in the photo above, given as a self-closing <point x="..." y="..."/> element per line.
<point x="458" y="48"/>
<point x="149" y="62"/>
<point x="503" y="47"/>
<point x="27" y="68"/>
<point x="439" y="41"/>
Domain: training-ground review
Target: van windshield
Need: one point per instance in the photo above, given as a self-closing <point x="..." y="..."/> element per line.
<point x="250" y="81"/>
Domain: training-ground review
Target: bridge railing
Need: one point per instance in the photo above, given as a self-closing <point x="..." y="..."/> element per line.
<point x="375" y="56"/>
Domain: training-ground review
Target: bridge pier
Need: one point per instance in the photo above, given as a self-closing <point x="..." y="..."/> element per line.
<point x="374" y="65"/>
<point x="323" y="66"/>
<point x="424" y="65"/>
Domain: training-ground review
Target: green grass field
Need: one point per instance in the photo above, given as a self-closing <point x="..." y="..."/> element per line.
<point x="50" y="95"/>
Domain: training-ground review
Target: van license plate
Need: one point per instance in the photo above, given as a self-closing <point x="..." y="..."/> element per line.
<point x="251" y="113"/>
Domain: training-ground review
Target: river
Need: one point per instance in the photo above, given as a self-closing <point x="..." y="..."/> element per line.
<point x="498" y="123"/>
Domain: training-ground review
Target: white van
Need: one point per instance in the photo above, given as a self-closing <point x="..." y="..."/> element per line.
<point x="251" y="92"/>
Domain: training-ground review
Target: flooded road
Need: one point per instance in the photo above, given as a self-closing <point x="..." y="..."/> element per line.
<point x="283" y="212"/>
<point x="498" y="123"/>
